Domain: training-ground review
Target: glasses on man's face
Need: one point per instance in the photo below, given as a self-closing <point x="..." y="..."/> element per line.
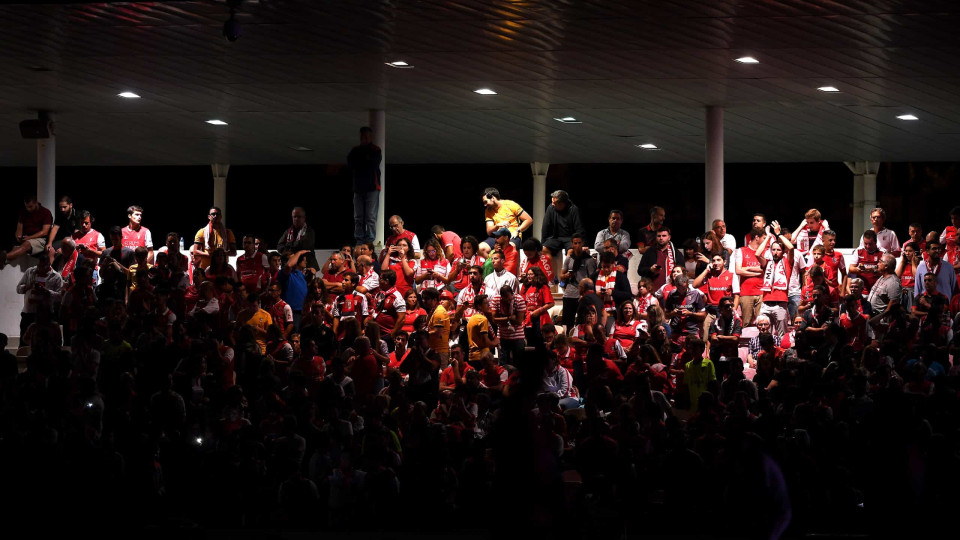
<point x="214" y="214"/>
<point x="763" y="325"/>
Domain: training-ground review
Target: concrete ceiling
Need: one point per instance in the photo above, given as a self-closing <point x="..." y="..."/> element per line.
<point x="304" y="73"/>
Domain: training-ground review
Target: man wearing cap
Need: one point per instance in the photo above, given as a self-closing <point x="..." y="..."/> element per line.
<point x="511" y="257"/>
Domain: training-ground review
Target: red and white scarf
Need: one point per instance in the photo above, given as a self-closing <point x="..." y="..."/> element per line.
<point x="776" y="276"/>
<point x="294" y="235"/>
<point x="668" y="266"/>
<point x="606" y="283"/>
<point x="69" y="266"/>
<point x="803" y="239"/>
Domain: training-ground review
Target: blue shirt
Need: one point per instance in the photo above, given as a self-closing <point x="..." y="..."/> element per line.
<point x="294" y="288"/>
<point x="946" y="279"/>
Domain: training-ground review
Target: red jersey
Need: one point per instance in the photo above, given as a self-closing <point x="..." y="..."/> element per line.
<point x="716" y="286"/>
<point x="537" y="297"/>
<point x="134" y="239"/>
<point x="856" y="330"/>
<point x="543" y="262"/>
<point x="390" y="306"/>
<point x="869" y="272"/>
<point x="251" y="272"/>
<point x="832" y="263"/>
<point x="750" y="286"/>
<point x="447" y="378"/>
<point x="463" y="280"/>
<point x="404" y="283"/>
<point x="626" y="334"/>
<point x="511" y="260"/>
<point x="949" y="238"/>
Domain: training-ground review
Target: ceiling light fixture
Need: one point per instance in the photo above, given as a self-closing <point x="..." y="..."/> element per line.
<point x="216" y="122"/>
<point x="485" y="92"/>
<point x="128" y="95"/>
<point x="748" y="60"/>
<point x="907" y="117"/>
<point x="301" y="149"/>
<point x="568" y="120"/>
<point x="399" y="64"/>
<point x="648" y="146"/>
<point x="828" y="89"/>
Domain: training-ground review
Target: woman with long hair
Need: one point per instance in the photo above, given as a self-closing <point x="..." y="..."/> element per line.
<point x="625" y="326"/>
<point x="469" y="247"/>
<point x="402" y="260"/>
<point x="414" y="310"/>
<point x="539" y="300"/>
<point x="432" y="270"/>
<point x="219" y="266"/>
<point x="710" y="246"/>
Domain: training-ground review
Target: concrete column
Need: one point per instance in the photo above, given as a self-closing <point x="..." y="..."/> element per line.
<point x="47" y="169"/>
<point x="220" y="171"/>
<point x="539" y="171"/>
<point x="378" y="123"/>
<point x="714" y="167"/>
<point x="864" y="195"/>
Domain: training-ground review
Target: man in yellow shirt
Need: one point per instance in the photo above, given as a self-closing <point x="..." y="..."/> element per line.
<point x="479" y="334"/>
<point x="214" y="235"/>
<point x="503" y="214"/>
<point x="257" y="319"/>
<point x="698" y="374"/>
<point x="438" y="326"/>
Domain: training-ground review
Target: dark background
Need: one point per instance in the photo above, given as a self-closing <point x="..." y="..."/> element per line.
<point x="259" y="198"/>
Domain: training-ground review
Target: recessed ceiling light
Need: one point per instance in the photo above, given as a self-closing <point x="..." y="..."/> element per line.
<point x="216" y="122"/>
<point x="301" y="149"/>
<point x="568" y="120"/>
<point x="648" y="146"/>
<point x="828" y="89"/>
<point x="128" y="95"/>
<point x="399" y="64"/>
<point x="485" y="92"/>
<point x="907" y="117"/>
<point x="748" y="60"/>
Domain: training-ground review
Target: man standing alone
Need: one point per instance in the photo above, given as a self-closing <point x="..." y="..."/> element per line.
<point x="364" y="161"/>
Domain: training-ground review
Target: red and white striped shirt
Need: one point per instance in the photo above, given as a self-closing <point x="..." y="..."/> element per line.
<point x="508" y="330"/>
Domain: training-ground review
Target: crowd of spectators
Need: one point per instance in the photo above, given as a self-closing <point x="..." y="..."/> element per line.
<point x="745" y="388"/>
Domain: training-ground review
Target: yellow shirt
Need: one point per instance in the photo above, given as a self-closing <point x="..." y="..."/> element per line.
<point x="508" y="215"/>
<point x="440" y="342"/>
<point x="216" y="241"/>
<point x="260" y="322"/>
<point x="697" y="378"/>
<point x="132" y="275"/>
<point x="476" y="325"/>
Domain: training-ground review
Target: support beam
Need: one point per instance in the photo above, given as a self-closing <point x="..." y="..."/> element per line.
<point x="220" y="171"/>
<point x="864" y="195"/>
<point x="539" y="171"/>
<point x="47" y="168"/>
<point x="714" y="167"/>
<point x="378" y="123"/>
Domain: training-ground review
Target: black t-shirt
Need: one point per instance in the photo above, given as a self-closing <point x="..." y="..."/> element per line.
<point x="67" y="224"/>
<point x="123" y="255"/>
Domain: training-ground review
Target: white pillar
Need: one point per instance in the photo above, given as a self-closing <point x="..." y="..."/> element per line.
<point x="539" y="171"/>
<point x="220" y="171"/>
<point x="47" y="168"/>
<point x="378" y="123"/>
<point x="714" y="167"/>
<point x="864" y="195"/>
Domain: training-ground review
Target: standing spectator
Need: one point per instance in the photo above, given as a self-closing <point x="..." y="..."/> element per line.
<point x="299" y="236"/>
<point x="834" y="267"/>
<point x="479" y="334"/>
<point x="907" y="271"/>
<point x="810" y="232"/>
<point x="438" y="326"/>
<point x="539" y="300"/>
<point x="865" y="260"/>
<point x="717" y="283"/>
<point x="946" y="278"/>
<point x="509" y="312"/>
<point x="950" y="240"/>
<point x="686" y="309"/>
<point x="33" y="227"/>
<point x="252" y="267"/>
<point x="500" y="276"/>
<point x="215" y="235"/>
<point x="364" y="161"/>
<point x="658" y="263"/>
<point x="750" y="272"/>
<point x="135" y="234"/>
<point x="577" y="266"/>
<point x="41" y="287"/>
<point x="449" y="241"/>
<point x="398" y="233"/>
<point x="886" y="239"/>
<point x="614" y="231"/>
<point x="504" y="214"/>
<point x="647" y="236"/>
<point x="719" y="228"/>
<point x="560" y="222"/>
<point x="400" y="259"/>
<point x="777" y="273"/>
<point x="390" y="306"/>
<point x="432" y="270"/>
<point x="294" y="283"/>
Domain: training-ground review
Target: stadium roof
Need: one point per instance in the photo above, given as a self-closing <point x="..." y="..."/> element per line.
<point x="304" y="73"/>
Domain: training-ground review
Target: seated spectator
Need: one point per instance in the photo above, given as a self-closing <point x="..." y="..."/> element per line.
<point x="431" y="270"/>
<point x="135" y="235"/>
<point x="647" y="237"/>
<point x="33" y="227"/>
<point x="721" y="239"/>
<point x="534" y="257"/>
<point x="866" y="260"/>
<point x="503" y="214"/>
<point x="449" y="242"/>
<point x="219" y="267"/>
<point x="886" y="239"/>
<point x="413" y="311"/>
<point x="539" y="300"/>
<point x="469" y="247"/>
<point x="560" y="222"/>
<point x="400" y="258"/>
<point x="214" y="235"/>
<point x="810" y="232"/>
<point x="614" y="231"/>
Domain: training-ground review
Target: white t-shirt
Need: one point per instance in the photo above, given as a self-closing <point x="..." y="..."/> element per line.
<point x="886" y="240"/>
